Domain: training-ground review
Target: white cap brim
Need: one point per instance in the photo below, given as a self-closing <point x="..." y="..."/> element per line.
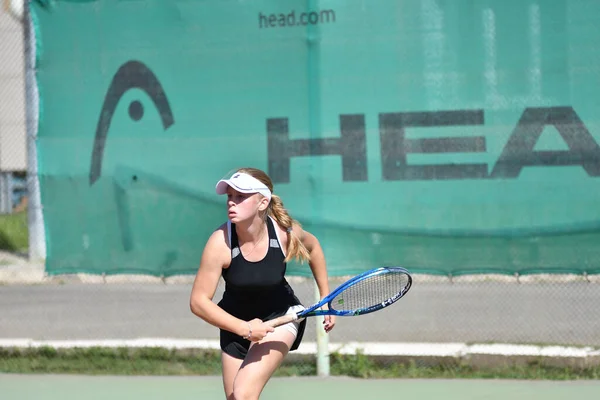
<point x="243" y="183"/>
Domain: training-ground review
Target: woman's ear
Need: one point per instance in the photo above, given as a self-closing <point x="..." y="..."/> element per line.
<point x="263" y="204"/>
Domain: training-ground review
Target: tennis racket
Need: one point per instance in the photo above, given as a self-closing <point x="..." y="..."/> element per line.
<point x="365" y="293"/>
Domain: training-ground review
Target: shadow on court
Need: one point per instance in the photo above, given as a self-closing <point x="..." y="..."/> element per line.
<point x="67" y="387"/>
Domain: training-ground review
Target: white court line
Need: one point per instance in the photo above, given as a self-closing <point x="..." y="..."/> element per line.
<point x="366" y="348"/>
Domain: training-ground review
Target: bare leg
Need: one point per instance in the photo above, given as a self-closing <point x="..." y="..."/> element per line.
<point x="262" y="360"/>
<point x="230" y="366"/>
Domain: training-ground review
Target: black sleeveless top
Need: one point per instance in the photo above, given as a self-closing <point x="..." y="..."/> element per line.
<point x="257" y="289"/>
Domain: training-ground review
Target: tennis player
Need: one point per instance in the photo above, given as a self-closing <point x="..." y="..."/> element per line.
<point x="250" y="251"/>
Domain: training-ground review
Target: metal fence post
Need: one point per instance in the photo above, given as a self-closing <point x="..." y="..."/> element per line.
<point x="37" y="240"/>
<point x="322" y="342"/>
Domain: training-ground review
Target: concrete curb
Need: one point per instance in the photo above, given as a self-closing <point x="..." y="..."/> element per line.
<point x="19" y="274"/>
<point x="480" y="355"/>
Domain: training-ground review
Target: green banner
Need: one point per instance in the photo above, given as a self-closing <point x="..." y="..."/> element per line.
<point x="446" y="137"/>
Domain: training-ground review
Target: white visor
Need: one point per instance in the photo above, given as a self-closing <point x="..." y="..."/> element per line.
<point x="243" y="183"/>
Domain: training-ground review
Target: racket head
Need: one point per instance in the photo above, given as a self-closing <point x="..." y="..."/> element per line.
<point x="370" y="291"/>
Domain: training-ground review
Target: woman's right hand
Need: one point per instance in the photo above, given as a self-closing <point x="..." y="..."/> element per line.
<point x="257" y="329"/>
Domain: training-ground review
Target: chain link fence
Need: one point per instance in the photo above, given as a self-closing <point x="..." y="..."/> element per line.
<point x="13" y="164"/>
<point x="558" y="310"/>
<point x="440" y="321"/>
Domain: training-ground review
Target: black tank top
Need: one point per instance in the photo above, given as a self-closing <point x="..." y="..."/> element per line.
<point x="257" y="289"/>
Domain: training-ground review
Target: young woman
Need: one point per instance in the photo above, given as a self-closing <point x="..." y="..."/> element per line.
<point x="250" y="251"/>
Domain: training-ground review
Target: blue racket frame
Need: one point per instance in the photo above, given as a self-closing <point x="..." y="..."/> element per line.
<point x="313" y="310"/>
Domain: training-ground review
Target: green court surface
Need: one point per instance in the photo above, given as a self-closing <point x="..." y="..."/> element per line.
<point x="67" y="387"/>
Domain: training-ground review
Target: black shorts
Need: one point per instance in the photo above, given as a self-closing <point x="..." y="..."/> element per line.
<point x="237" y="347"/>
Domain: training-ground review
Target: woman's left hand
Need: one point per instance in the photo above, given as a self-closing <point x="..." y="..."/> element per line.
<point x="328" y="322"/>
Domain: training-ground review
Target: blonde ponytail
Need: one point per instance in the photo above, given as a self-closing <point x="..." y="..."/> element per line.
<point x="295" y="248"/>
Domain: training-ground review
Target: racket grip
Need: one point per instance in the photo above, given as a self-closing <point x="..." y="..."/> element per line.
<point x="284" y="319"/>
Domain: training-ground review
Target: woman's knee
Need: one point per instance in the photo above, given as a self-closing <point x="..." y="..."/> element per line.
<point x="244" y="391"/>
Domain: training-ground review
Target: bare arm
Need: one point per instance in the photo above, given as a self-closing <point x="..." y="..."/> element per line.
<point x="214" y="257"/>
<point x="318" y="267"/>
<point x="317" y="263"/>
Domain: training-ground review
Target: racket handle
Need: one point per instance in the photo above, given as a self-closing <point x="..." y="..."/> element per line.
<point x="284" y="319"/>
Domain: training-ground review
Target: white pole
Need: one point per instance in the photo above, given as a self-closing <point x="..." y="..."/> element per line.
<point x="490" y="73"/>
<point x="314" y="121"/>
<point x="322" y="342"/>
<point x="37" y="241"/>
<point x="535" y="52"/>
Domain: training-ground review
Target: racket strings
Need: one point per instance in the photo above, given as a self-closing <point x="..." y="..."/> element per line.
<point x="371" y="291"/>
